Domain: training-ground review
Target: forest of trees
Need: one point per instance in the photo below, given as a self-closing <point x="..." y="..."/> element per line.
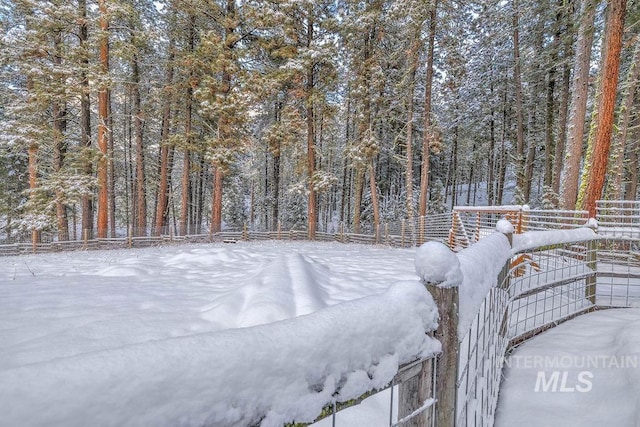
<point x="145" y="116"/>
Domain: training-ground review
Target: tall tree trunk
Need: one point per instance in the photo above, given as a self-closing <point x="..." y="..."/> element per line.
<point x="164" y="188"/>
<point x="128" y="160"/>
<point x="141" y="193"/>
<point x="550" y="143"/>
<point x="216" y="212"/>
<point x="503" y="152"/>
<point x="413" y="57"/>
<point x="606" y="105"/>
<point x="564" y="100"/>
<point x="357" y="202"/>
<point x="631" y="192"/>
<point x="428" y="133"/>
<point x="492" y="148"/>
<point x="517" y="77"/>
<point x="275" y="181"/>
<point x="311" y="149"/>
<point x="454" y="165"/>
<point x="201" y="193"/>
<point x="103" y="98"/>
<point x="59" y="111"/>
<point x="616" y="168"/>
<point x="223" y="121"/>
<point x="32" y="154"/>
<point x="471" y="178"/>
<point x="111" y="183"/>
<point x="375" y="205"/>
<point x="578" y="106"/>
<point x="85" y="119"/>
<point x="186" y="164"/>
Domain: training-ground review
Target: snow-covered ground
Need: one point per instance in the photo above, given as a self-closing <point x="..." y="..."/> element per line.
<point x="204" y="334"/>
<point x="583" y="373"/>
<point x="221" y="334"/>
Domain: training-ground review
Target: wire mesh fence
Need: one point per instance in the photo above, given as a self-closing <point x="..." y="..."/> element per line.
<point x="536" y="290"/>
<point x="399" y="413"/>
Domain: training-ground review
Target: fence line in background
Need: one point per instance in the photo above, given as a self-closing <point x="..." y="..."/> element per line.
<point x="459" y="229"/>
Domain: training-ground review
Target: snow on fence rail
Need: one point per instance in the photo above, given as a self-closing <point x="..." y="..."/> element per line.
<point x="471" y="223"/>
<point x="269" y="374"/>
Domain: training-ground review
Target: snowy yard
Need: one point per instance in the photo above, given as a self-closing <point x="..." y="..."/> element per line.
<point x="219" y="334"/>
<point x="151" y="336"/>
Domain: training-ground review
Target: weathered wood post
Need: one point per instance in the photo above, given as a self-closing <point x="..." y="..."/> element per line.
<point x="279" y="230"/>
<point x="592" y="260"/>
<point x="245" y="232"/>
<point x="416" y="386"/>
<point x="442" y="283"/>
<point x="447" y="301"/>
<point x="453" y="231"/>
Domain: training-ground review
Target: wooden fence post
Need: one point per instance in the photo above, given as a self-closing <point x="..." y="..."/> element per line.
<point x="245" y="232"/>
<point x="592" y="263"/>
<point x="454" y="229"/>
<point x="446" y="300"/>
<point x="416" y="386"/>
<point x="443" y="286"/>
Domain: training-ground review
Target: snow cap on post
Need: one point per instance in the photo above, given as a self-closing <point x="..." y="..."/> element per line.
<point x="592" y="223"/>
<point x="437" y="265"/>
<point x="504" y="226"/>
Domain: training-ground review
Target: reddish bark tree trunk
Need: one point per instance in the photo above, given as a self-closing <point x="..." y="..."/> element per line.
<point x="606" y="105"/>
<point x="103" y="98"/>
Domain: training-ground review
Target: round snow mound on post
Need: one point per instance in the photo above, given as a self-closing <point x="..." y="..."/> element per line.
<point x="504" y="226"/>
<point x="437" y="265"/>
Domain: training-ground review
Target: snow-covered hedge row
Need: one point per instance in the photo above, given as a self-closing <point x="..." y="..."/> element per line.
<point x="278" y="372"/>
